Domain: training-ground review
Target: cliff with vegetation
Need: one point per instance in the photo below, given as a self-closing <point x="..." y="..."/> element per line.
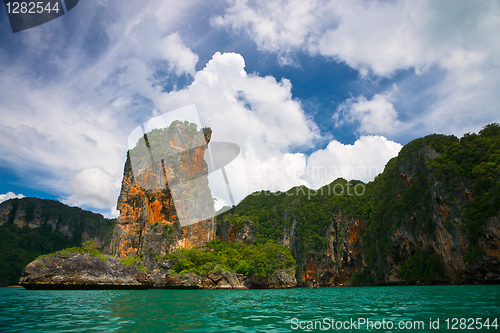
<point x="432" y="216"/>
<point x="165" y="234"/>
<point x="30" y="227"/>
<point x="217" y="266"/>
<point x="149" y="224"/>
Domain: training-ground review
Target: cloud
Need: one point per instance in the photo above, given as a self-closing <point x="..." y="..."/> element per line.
<point x="456" y="40"/>
<point x="377" y="115"/>
<point x="49" y="138"/>
<point x="93" y="186"/>
<point x="65" y="113"/>
<point x="276" y="26"/>
<point x="362" y="160"/>
<point x="152" y="43"/>
<point x="181" y="59"/>
<point x="10" y="195"/>
<point x="262" y="117"/>
<point x="257" y="113"/>
<point x="253" y="110"/>
<point x="379" y="36"/>
<point x="68" y="109"/>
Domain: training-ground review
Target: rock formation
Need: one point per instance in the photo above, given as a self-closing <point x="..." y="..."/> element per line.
<point x="66" y="270"/>
<point x="431" y="217"/>
<point x="74" y="223"/>
<point x="242" y="231"/>
<point x="148" y="224"/>
<point x="82" y="271"/>
<point x="165" y="204"/>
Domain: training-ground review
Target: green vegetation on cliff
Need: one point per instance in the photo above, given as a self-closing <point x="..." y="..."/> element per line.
<point x="272" y="212"/>
<point x="405" y="195"/>
<point x="217" y="256"/>
<point x="435" y="182"/>
<point x="88" y="247"/>
<point x="160" y="142"/>
<point x="422" y="266"/>
<point x="19" y="246"/>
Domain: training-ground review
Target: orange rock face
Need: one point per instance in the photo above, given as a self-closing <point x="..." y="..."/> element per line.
<point x="148" y="224"/>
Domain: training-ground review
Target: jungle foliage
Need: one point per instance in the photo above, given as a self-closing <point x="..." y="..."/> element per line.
<point x="218" y="256"/>
<point x="469" y="166"/>
<point x="20" y="246"/>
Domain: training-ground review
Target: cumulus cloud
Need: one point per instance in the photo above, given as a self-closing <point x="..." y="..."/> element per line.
<point x="262" y="117"/>
<point x="257" y="113"/>
<point x="10" y="195"/>
<point x="380" y="38"/>
<point x="375" y="116"/>
<point x="181" y="59"/>
<point x="253" y="110"/>
<point x="67" y="132"/>
<point x="362" y="160"/>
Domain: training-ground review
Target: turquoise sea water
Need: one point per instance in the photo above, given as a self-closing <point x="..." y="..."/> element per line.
<point x="251" y="310"/>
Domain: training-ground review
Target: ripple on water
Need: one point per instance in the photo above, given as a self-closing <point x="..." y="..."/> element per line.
<point x="234" y="310"/>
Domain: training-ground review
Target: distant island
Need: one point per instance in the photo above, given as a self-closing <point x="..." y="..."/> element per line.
<point x="431" y="217"/>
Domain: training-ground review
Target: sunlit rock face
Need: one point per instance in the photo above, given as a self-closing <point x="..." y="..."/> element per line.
<point x="165" y="201"/>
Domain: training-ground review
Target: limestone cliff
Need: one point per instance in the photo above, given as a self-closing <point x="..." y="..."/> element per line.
<point x="165" y="208"/>
<point x="148" y="224"/>
<point x="236" y="230"/>
<point x="30" y="227"/>
<point x="75" y="268"/>
<point x="75" y="224"/>
<point x="432" y="216"/>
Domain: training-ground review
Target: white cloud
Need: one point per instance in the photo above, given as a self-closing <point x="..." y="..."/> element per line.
<point x="181" y="58"/>
<point x="380" y="36"/>
<point x="53" y="135"/>
<point x="257" y="113"/>
<point x="457" y="40"/>
<point x="93" y="186"/>
<point x="10" y="195"/>
<point x="151" y="43"/>
<point x="64" y="129"/>
<point x="247" y="109"/>
<point x="67" y="132"/>
<point x="276" y="26"/>
<point x="375" y="116"/>
<point x="362" y="160"/>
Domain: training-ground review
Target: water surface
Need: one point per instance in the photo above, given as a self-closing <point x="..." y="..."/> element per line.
<point x="246" y="310"/>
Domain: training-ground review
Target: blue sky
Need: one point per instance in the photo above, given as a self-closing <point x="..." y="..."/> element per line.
<point x="311" y="90"/>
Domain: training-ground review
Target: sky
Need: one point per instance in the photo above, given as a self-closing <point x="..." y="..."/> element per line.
<point x="310" y="90"/>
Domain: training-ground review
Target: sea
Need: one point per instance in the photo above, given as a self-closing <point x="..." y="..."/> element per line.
<point x="376" y="309"/>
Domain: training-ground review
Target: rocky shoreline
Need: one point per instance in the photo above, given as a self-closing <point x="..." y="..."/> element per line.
<point x="84" y="271"/>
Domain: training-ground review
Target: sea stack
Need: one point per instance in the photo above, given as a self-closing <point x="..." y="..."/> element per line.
<point x="149" y="222"/>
